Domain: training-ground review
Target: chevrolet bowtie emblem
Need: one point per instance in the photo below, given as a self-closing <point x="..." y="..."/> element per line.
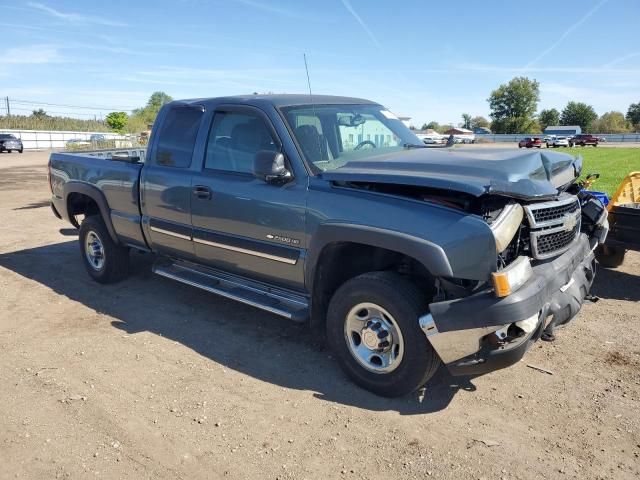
<point x="570" y="223"/>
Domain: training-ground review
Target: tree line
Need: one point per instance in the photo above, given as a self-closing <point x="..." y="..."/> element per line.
<point x="513" y="107"/>
<point x="121" y="122"/>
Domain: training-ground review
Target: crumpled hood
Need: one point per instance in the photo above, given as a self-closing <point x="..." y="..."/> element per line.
<point x="520" y="174"/>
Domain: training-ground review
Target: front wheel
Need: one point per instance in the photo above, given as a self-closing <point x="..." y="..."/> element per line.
<point x="105" y="261"/>
<point x="610" y="256"/>
<point x="372" y="327"/>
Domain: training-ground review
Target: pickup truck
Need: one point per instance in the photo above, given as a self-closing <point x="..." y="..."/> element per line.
<point x="583" y="140"/>
<point x="328" y="210"/>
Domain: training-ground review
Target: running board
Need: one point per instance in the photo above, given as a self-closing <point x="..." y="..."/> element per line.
<point x="278" y="301"/>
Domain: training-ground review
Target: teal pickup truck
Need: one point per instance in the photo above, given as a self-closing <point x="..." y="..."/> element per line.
<point x="329" y="210"/>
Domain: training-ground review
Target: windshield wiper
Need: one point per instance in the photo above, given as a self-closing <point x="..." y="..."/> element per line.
<point x="413" y="145"/>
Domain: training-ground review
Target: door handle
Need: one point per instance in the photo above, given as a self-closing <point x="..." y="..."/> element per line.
<point x="202" y="191"/>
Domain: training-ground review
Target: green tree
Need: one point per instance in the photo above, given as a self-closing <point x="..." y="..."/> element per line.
<point x="513" y="106"/>
<point x="433" y="126"/>
<point x="39" y="114"/>
<point x="149" y="112"/>
<point x="611" y="122"/>
<point x="578" y="113"/>
<point x="633" y="115"/>
<point x="548" y="117"/>
<point x="466" y="121"/>
<point x="117" y="121"/>
<point x="479" y="121"/>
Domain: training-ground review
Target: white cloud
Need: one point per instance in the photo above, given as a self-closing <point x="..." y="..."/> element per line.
<point x="268" y="8"/>
<point x="75" y="17"/>
<point x="476" y="67"/>
<point x="358" y="18"/>
<point x="566" y="33"/>
<point x="33" y="54"/>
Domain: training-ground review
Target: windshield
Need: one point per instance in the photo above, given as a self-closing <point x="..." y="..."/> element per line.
<point x="332" y="135"/>
<point x="6" y="136"/>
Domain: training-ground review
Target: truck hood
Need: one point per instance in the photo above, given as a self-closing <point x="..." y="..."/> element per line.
<point x="527" y="175"/>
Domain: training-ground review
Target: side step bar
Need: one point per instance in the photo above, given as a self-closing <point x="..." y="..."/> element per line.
<point x="278" y="301"/>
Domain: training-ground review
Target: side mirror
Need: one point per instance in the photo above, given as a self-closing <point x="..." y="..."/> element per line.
<point x="270" y="167"/>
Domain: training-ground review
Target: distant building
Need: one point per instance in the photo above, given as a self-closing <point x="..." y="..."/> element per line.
<point x="482" y="131"/>
<point x="564" y="130"/>
<point x="458" y="131"/>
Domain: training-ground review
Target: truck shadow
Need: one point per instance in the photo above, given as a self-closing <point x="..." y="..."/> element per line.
<point x="616" y="284"/>
<point x="239" y="337"/>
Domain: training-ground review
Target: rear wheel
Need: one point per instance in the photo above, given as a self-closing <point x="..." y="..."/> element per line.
<point x="372" y="327"/>
<point x="105" y="261"/>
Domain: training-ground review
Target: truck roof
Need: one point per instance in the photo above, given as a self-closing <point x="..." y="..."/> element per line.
<point x="279" y="100"/>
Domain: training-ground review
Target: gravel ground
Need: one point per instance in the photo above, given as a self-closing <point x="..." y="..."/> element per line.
<point x="152" y="379"/>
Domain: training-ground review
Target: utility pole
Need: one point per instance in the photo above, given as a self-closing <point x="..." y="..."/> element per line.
<point x="8" y="107"/>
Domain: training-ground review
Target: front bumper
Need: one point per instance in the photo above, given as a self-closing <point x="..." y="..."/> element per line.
<point x="463" y="331"/>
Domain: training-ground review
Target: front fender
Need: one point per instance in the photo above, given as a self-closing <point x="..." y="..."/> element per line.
<point x="432" y="256"/>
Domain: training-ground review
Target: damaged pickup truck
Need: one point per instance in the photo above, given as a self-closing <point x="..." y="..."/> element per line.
<point x="328" y="210"/>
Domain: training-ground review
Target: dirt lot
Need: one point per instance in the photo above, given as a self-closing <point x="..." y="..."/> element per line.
<point x="152" y="379"/>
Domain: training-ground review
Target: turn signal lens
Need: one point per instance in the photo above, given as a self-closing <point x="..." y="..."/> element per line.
<point x="509" y="279"/>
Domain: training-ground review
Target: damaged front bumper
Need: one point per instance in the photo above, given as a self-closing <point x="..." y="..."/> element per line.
<point x="476" y="334"/>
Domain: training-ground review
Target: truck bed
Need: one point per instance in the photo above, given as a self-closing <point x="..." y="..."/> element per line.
<point x="116" y="179"/>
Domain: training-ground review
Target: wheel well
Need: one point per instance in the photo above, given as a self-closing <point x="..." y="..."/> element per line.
<point x="81" y="204"/>
<point x="341" y="261"/>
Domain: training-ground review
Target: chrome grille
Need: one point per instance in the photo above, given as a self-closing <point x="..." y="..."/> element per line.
<point x="553" y="225"/>
<point x="542" y="215"/>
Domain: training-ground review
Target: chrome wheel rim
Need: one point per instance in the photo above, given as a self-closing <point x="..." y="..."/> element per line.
<point x="374" y="338"/>
<point x="94" y="250"/>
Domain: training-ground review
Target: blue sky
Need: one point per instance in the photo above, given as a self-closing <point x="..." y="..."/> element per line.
<point x="425" y="59"/>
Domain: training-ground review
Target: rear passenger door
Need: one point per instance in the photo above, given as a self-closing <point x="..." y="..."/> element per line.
<point x="242" y="224"/>
<point x="166" y="181"/>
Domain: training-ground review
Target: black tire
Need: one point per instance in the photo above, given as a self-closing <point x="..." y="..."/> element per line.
<point x="115" y="265"/>
<point x="405" y="303"/>
<point x="8" y="151"/>
<point x="609" y="256"/>
<point x="21" y="150"/>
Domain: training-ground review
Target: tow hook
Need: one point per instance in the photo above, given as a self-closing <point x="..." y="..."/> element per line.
<point x="592" y="298"/>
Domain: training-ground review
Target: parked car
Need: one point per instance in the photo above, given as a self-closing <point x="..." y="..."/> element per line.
<point x="431" y="139"/>
<point x="530" y="142"/>
<point x="10" y="143"/>
<point x="77" y="142"/>
<point x="556" y="142"/>
<point x="583" y="140"/>
<point x="400" y="255"/>
<point x="95" y="138"/>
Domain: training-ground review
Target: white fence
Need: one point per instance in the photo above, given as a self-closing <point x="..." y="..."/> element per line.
<point x="50" y="139"/>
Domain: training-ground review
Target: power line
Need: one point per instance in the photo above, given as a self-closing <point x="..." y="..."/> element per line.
<point x="30" y="102"/>
<point x="57" y="113"/>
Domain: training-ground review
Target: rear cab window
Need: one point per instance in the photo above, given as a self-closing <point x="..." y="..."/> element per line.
<point x="177" y="137"/>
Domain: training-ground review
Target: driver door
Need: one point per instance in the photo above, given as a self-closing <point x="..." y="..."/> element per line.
<point x="241" y="224"/>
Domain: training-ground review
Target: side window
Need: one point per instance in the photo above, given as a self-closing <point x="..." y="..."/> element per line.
<point x="177" y="137"/>
<point x="234" y="139"/>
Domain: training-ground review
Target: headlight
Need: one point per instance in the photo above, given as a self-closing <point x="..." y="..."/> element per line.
<point x="506" y="225"/>
<point x="509" y="279"/>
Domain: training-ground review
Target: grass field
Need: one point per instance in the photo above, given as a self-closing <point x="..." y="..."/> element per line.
<point x="613" y="164"/>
